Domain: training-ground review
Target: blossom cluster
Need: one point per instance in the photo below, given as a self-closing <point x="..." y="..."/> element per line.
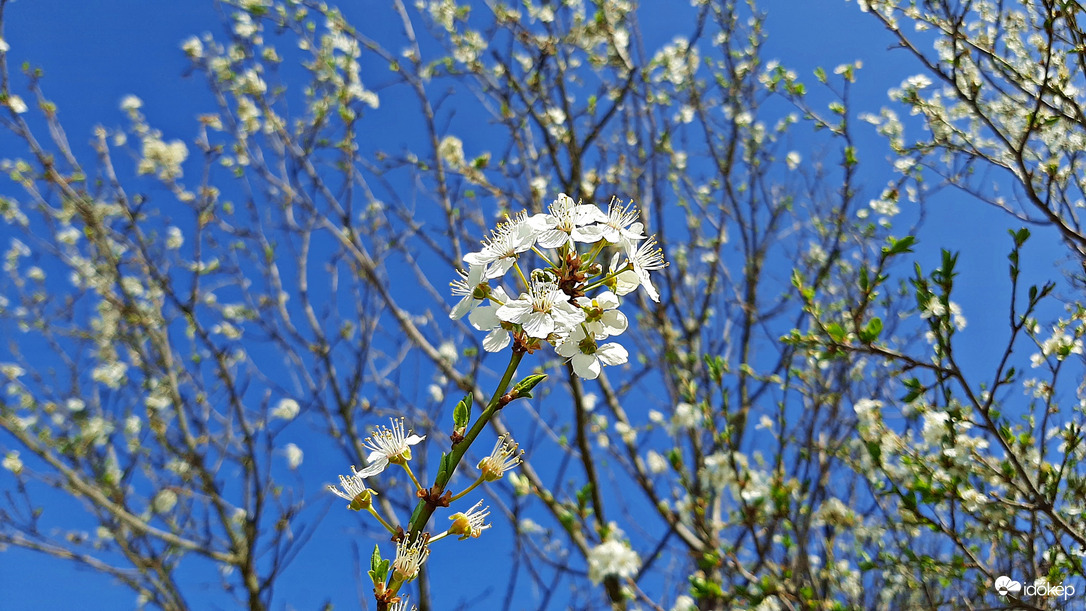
<point x="572" y="300"/>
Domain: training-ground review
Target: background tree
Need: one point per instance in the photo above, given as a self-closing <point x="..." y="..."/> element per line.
<point x="795" y="428"/>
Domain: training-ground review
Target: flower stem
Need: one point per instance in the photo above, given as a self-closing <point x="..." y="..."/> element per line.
<point x="411" y="474"/>
<point x="543" y="256"/>
<point x="468" y="489"/>
<point x="382" y="520"/>
<point x="516" y="266"/>
<point x="424" y="510"/>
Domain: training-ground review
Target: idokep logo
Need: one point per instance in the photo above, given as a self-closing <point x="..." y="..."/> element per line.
<point x="1007" y="586"/>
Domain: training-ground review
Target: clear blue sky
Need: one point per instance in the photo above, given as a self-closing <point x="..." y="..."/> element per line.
<point x="94" y="53"/>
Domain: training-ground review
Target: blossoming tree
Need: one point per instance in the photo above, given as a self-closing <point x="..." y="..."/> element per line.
<point x="686" y="359"/>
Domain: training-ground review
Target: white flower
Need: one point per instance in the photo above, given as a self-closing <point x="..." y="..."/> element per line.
<point x="656" y="462"/>
<point x="646" y="258"/>
<point x="174" y="238"/>
<point x="131" y="103"/>
<point x="601" y="316"/>
<point x="287" y="409"/>
<point x="193" y="47"/>
<point x="473" y="287"/>
<point x="164" y="501"/>
<point x="110" y="374"/>
<point x="612" y="558"/>
<point x="470" y="524"/>
<point x="586" y="356"/>
<point x="934" y="308"/>
<point x="294" y="455"/>
<point x="625" y="279"/>
<point x="507" y="241"/>
<point x="16" y="104"/>
<point x="686" y="416"/>
<point x="972" y="499"/>
<point x="354" y="489"/>
<point x="935" y="427"/>
<point x="401" y="606"/>
<point x="388" y="445"/>
<point x="502" y="458"/>
<point x="620" y="225"/>
<point x="486" y="318"/>
<point x="11" y="371"/>
<point x="792" y="160"/>
<point x="11" y="462"/>
<point x="409" y="557"/>
<point x="543" y="310"/>
<point x="565" y="223"/>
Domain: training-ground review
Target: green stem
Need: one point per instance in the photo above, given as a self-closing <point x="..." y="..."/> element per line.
<point x="520" y="273"/>
<point x="423" y="510"/>
<point x="373" y="511"/>
<point x="468" y="489"/>
<point x="410" y="474"/>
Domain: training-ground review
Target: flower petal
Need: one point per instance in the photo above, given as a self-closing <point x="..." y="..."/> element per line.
<point x="538" y="324"/>
<point x="515" y="311"/>
<point x="466" y="305"/>
<point x="612" y="354"/>
<point x="586" y="366"/>
<point x="496" y="340"/>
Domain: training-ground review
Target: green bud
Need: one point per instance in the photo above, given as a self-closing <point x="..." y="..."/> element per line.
<point x="523" y="388"/>
<point x="462" y="413"/>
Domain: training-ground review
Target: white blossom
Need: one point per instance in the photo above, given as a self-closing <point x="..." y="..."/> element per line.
<point x="388" y="445"/>
<point x="612" y="558"/>
<point x="543" y="310"/>
<point x="286" y="409"/>
<point x="586" y="356"/>
<point x="294" y="455"/>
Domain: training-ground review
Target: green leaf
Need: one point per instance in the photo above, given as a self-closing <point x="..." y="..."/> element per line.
<point x="1019" y="236"/>
<point x="871" y="331"/>
<point x="445" y="470"/>
<point x="897" y="246"/>
<point x="375" y="558"/>
<point x="462" y="413"/>
<point x="523" y="388"/>
<point x="836" y="332"/>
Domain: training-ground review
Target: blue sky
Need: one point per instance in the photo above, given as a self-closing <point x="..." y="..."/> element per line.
<point x="95" y="53"/>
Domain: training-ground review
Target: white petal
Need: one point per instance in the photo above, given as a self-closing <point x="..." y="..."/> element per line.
<point x="538" y="324"/>
<point x="515" y="310"/>
<point x="500" y="266"/>
<point x="414" y="439"/>
<point x="542" y="222"/>
<point x="485" y="318"/>
<point x="589" y="235"/>
<point x="496" y="340"/>
<point x="614" y="322"/>
<point x="375" y="467"/>
<point x="646" y="283"/>
<point x="566" y="316"/>
<point x="634" y="232"/>
<point x="568" y="348"/>
<point x="586" y="366"/>
<point x="607" y="300"/>
<point x="475" y="275"/>
<point x="612" y="354"/>
<point x="553" y="239"/>
<point x="627" y="282"/>
<point x="587" y="213"/>
<point x="478" y="258"/>
<point x="466" y="304"/>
